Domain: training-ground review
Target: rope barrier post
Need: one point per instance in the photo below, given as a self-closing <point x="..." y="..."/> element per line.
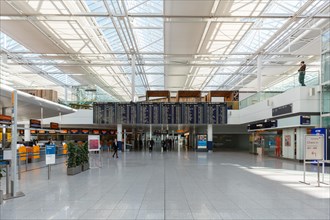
<point x="318" y="174"/>
<point x="26" y="160"/>
<point x="49" y="170"/>
<point x="7" y="180"/>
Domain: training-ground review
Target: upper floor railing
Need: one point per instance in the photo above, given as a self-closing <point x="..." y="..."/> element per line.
<point x="311" y="79"/>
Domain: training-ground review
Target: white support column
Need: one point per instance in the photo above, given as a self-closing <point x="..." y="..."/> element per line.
<point x="210" y="137"/>
<point x="14" y="176"/>
<point x="119" y="136"/>
<point x="150" y="132"/>
<point x="42" y="116"/>
<point x="27" y="132"/>
<point x="133" y="77"/>
<point x="259" y="67"/>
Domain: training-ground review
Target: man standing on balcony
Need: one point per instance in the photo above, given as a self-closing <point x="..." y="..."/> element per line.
<point x="301" y="72"/>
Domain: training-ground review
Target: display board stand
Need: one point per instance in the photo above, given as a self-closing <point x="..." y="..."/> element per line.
<point x="323" y="171"/>
<point x="95" y="158"/>
<point x="313" y="151"/>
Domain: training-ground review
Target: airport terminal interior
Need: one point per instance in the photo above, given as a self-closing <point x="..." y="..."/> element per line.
<point x="165" y="109"/>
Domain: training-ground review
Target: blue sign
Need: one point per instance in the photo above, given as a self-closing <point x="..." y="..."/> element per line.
<point x="305" y="119"/>
<point x="50" y="153"/>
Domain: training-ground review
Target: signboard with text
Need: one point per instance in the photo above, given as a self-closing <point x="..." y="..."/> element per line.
<point x="50" y="154"/>
<point x="314" y="145"/>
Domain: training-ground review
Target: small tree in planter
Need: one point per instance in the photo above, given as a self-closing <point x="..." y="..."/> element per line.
<point x="2" y="174"/>
<point x="84" y="156"/>
<point x="74" y="162"/>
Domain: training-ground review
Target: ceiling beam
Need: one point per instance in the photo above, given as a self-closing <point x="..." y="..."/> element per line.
<point x="145" y="64"/>
<point x="205" y="18"/>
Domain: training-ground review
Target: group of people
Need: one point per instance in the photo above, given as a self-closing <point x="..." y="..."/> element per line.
<point x="168" y="144"/>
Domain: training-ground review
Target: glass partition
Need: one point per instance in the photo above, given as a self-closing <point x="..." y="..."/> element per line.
<point x="311" y="79"/>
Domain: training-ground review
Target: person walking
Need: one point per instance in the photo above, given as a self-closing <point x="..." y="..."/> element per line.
<point x="152" y="142"/>
<point x="115" y="148"/>
<point x="302" y="72"/>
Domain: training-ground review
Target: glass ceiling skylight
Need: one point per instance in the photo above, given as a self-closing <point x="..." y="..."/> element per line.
<point x="11" y="45"/>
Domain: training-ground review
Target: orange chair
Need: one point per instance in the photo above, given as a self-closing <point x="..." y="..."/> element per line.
<point x="65" y="149"/>
<point x="22" y="153"/>
<point x="36" y="152"/>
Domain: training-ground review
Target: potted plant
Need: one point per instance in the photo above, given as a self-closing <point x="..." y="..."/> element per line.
<point x="74" y="162"/>
<point x="84" y="157"/>
<point x="2" y="174"/>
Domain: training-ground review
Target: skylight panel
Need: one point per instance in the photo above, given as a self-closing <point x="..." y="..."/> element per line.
<point x="113" y="40"/>
<point x="64" y="78"/>
<point x="10" y="44"/>
<point x="143" y="6"/>
<point x="150" y="40"/>
<point x="95" y="5"/>
<point x="44" y="7"/>
<point x="115" y="6"/>
<point x="147" y="22"/>
<point x="218" y="80"/>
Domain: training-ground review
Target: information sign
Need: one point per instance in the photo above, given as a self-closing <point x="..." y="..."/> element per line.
<point x="145" y="113"/>
<point x="54" y="126"/>
<point x="35" y="123"/>
<point x="159" y="113"/>
<point x="50" y="153"/>
<point x="5" y="119"/>
<point x="201" y="143"/>
<point x="285" y="109"/>
<point x="156" y="113"/>
<point x="168" y="110"/>
<point x="216" y="113"/>
<point x="314" y="145"/>
<point x="104" y="113"/>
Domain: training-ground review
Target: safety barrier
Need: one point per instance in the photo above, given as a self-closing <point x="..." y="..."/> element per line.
<point x="34" y="155"/>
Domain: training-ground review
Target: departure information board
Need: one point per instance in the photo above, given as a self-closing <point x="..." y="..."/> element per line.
<point x="194" y="113"/>
<point x="144" y="113"/>
<point x="104" y="113"/>
<point x="156" y="113"/>
<point x="124" y="111"/>
<point x="217" y="113"/>
<point x="168" y="113"/>
<point x="159" y="113"/>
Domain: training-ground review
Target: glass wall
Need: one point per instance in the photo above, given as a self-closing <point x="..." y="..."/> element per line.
<point x="325" y="79"/>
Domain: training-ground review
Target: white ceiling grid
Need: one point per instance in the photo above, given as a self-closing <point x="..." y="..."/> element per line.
<point x="201" y="45"/>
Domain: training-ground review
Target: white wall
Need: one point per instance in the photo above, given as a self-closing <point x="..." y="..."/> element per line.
<point x="299" y="97"/>
<point x="300" y="142"/>
<point x="82" y="116"/>
<point x="288" y="150"/>
<point x="295" y="120"/>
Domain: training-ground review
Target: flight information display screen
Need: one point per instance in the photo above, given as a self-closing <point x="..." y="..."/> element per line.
<point x="159" y="113"/>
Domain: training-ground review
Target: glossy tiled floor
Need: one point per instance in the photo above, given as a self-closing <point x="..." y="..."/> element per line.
<point x="138" y="185"/>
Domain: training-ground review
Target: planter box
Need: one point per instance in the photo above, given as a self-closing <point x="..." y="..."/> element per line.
<point x="85" y="166"/>
<point x="1" y="196"/>
<point x="73" y="170"/>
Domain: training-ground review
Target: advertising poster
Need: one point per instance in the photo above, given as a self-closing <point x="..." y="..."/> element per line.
<point x="201" y="142"/>
<point x="93" y="142"/>
<point x="287" y="140"/>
